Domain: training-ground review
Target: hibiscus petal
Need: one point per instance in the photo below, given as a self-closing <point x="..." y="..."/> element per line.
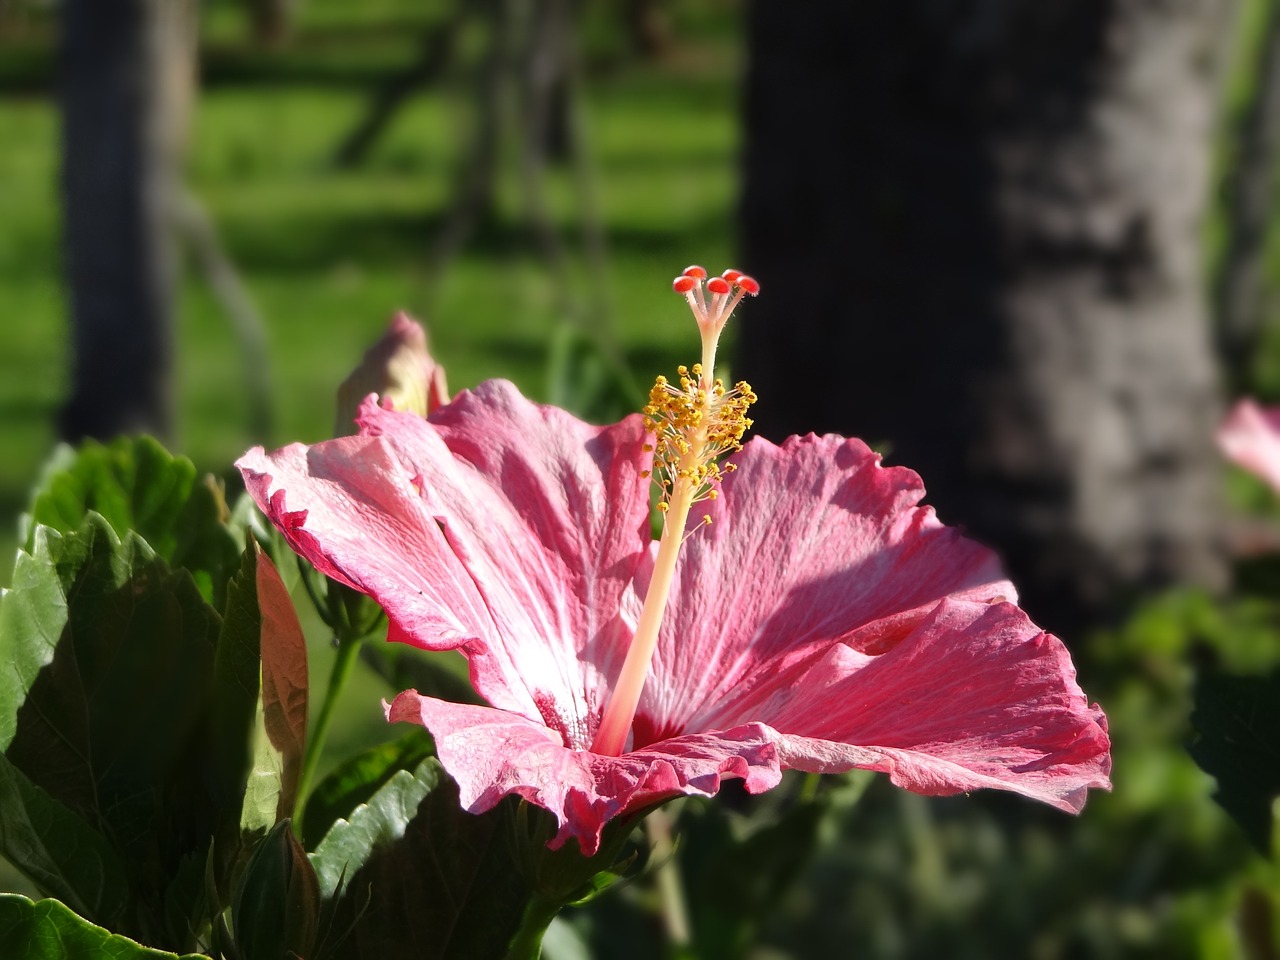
<point x="520" y="524"/>
<point x="492" y="753"/>
<point x="812" y="543"/>
<point x="976" y="696"/>
<point x="349" y="507"/>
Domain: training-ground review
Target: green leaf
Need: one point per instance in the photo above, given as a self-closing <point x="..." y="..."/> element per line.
<point x="358" y="779"/>
<point x="373" y="826"/>
<point x="33" y="613"/>
<point x="61" y="853"/>
<point x="236" y="672"/>
<point x="423" y="877"/>
<point x="106" y="708"/>
<point x="136" y="485"/>
<point x="118" y="705"/>
<point x="49" y="930"/>
<point x="185" y="907"/>
<point x="1237" y="739"/>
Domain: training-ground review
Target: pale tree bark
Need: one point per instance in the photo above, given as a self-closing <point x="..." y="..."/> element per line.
<point x="126" y="89"/>
<point x="977" y="227"/>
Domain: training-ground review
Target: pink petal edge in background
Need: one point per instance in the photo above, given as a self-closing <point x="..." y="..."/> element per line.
<point x="1250" y="438"/>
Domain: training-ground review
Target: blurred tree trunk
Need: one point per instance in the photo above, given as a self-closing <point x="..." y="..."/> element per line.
<point x="272" y="21"/>
<point x="648" y="32"/>
<point x="126" y="86"/>
<point x="977" y="226"/>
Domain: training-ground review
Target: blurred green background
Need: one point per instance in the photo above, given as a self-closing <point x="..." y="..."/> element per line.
<point x="328" y="255"/>
<point x="1155" y="869"/>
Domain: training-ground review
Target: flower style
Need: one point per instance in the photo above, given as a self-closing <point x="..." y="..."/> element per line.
<point x="818" y="618"/>
<point x="1250" y="438"/>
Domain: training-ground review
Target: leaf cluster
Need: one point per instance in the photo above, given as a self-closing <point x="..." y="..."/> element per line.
<point x="153" y="738"/>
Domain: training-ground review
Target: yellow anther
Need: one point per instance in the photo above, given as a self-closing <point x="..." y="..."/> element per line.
<point x="694" y="425"/>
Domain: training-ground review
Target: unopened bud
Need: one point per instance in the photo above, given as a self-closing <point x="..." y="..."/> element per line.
<point x="398" y="368"/>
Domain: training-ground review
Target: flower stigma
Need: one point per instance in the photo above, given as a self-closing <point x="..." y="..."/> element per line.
<point x="693" y="424"/>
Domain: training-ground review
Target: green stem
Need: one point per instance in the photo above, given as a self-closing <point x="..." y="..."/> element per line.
<point x="527" y="942"/>
<point x="809" y="787"/>
<point x="304" y="574"/>
<point x="675" y="913"/>
<point x="348" y="652"/>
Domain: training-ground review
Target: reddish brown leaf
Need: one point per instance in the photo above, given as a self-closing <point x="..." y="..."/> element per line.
<point x="284" y="679"/>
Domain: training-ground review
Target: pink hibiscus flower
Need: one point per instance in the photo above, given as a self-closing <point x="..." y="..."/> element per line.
<point x="1250" y="438"/>
<point x="819" y="618"/>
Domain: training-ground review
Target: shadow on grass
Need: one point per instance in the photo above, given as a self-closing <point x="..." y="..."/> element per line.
<point x="305" y="244"/>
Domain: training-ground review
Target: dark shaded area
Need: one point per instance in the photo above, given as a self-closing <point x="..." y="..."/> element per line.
<point x="1241" y="295"/>
<point x="409" y="902"/>
<point x="307" y="244"/>
<point x="94" y="733"/>
<point x="977" y="221"/>
<point x="357" y="780"/>
<point x="1237" y="725"/>
<point x="118" y="250"/>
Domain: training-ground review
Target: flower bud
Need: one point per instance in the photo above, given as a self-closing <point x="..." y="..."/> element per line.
<point x="276" y="911"/>
<point x="398" y="368"/>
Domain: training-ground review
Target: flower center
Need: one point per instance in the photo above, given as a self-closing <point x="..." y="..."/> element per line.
<point x="693" y="425"/>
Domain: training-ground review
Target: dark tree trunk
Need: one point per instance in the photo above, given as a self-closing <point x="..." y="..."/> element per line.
<point x="272" y="21"/>
<point x="125" y="90"/>
<point x="977" y="227"/>
<point x="648" y="31"/>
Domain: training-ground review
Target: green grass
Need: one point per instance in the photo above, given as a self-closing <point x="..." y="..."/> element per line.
<point x="32" y="324"/>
